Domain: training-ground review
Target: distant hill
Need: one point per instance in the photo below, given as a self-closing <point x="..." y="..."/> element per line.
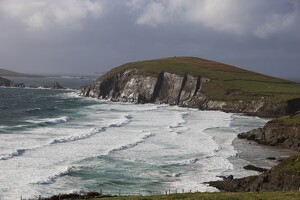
<point x="8" y="73"/>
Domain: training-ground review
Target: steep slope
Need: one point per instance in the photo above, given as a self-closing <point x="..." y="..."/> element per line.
<point x="8" y="73"/>
<point x="197" y="83"/>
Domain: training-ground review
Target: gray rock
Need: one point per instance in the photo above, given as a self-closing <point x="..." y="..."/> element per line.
<point x="8" y="83"/>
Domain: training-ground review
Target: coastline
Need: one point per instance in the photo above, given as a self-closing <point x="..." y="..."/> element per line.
<point x="252" y="153"/>
<point x="258" y="154"/>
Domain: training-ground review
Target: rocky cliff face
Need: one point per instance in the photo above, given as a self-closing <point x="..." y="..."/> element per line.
<point x="7" y="83"/>
<point x="275" y="133"/>
<point x="132" y="85"/>
<point x="266" y="182"/>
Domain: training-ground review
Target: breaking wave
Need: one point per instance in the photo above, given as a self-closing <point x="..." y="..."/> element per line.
<point x="131" y="145"/>
<point x="16" y="153"/>
<point x="90" y="133"/>
<point x="126" y="120"/>
<point x="51" y="179"/>
<point x="51" y="121"/>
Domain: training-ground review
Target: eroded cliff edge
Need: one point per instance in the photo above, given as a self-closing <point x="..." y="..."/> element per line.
<point x="283" y="131"/>
<point x="133" y="85"/>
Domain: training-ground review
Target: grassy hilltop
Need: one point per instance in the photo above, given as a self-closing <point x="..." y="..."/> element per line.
<point x="8" y="73"/>
<point x="227" y="82"/>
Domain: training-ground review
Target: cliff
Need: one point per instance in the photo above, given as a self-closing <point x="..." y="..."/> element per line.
<point x="8" y="83"/>
<point x="283" y="177"/>
<point x="198" y="83"/>
<point x="283" y="131"/>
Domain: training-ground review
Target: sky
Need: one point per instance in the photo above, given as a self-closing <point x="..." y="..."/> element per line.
<point x="93" y="36"/>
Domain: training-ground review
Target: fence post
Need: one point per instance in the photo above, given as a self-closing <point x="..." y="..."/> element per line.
<point x="119" y="192"/>
<point x="21" y="198"/>
<point x="175" y="191"/>
<point x="182" y="190"/>
<point x="139" y="192"/>
<point x="190" y="191"/>
<point x="101" y="192"/>
<point x="169" y="191"/>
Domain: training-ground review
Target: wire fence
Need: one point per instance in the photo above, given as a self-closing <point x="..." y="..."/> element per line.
<point x="112" y="193"/>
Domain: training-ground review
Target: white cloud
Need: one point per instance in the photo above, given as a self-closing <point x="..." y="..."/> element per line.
<point x="256" y="17"/>
<point x="42" y="14"/>
<point x="154" y="14"/>
<point x="274" y="24"/>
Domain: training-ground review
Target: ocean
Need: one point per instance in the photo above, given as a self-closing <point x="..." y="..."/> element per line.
<point x="54" y="141"/>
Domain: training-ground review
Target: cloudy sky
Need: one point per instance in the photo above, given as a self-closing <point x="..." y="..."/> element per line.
<point x="87" y="36"/>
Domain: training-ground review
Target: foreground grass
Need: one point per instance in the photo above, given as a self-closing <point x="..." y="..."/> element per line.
<point x="215" y="196"/>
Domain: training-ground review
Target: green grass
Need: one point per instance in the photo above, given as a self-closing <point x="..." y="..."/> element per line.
<point x="290" y="165"/>
<point x="217" y="196"/>
<point x="224" y="78"/>
<point x="289" y="120"/>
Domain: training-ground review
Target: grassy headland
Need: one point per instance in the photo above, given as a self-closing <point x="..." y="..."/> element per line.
<point x="227" y="82"/>
<point x="8" y="73"/>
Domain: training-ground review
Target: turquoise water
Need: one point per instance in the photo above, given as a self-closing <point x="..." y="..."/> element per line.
<point x="54" y="141"/>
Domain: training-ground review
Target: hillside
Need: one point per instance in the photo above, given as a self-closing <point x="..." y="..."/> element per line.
<point x="8" y="73"/>
<point x="198" y="83"/>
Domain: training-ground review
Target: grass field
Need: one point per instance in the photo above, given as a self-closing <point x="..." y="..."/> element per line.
<point x="217" y="196"/>
<point x="227" y="82"/>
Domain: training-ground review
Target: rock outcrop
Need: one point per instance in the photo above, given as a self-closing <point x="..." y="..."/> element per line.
<point x="54" y="85"/>
<point x="278" y="132"/>
<point x="283" y="177"/>
<point x="135" y="86"/>
<point x="8" y="83"/>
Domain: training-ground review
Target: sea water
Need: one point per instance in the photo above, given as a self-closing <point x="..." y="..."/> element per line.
<point x="54" y="141"/>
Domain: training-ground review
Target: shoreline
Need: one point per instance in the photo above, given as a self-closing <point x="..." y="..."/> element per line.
<point x="251" y="153"/>
<point x="257" y="154"/>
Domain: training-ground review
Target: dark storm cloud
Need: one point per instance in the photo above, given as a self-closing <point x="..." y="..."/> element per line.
<point x="86" y="36"/>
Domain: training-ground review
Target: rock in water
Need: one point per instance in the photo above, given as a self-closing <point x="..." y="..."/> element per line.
<point x="8" y="83"/>
<point x="254" y="168"/>
<point x="56" y="85"/>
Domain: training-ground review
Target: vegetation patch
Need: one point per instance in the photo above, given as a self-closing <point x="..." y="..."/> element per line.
<point x="289" y="120"/>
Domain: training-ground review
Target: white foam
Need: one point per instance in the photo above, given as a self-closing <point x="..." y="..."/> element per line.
<point x="13" y="154"/>
<point x="186" y="162"/>
<point x="51" y="179"/>
<point x="179" y="120"/>
<point x="73" y="138"/>
<point x="52" y="121"/>
<point x="131" y="145"/>
<point x="125" y="120"/>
